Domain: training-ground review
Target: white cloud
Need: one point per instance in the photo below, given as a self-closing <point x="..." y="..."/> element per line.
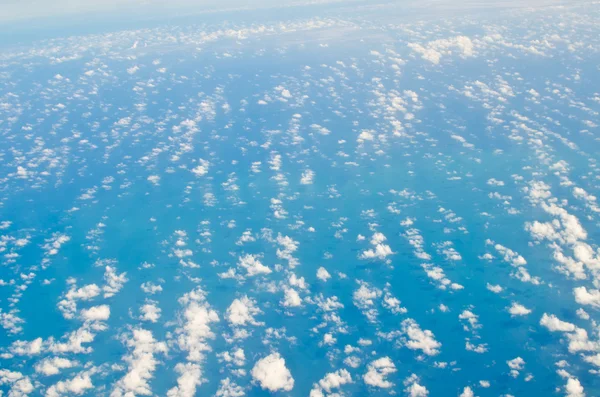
<point x="323" y="274"/>
<point x="96" y="313"/>
<point x="574" y="388"/>
<point x="307" y="177"/>
<point x="413" y="388"/>
<point x="190" y="377"/>
<point x="150" y="312"/>
<point x="419" y="339"/>
<point x="433" y="50"/>
<point x="554" y="324"/>
<point x="114" y="281"/>
<point x="377" y="372"/>
<point x="242" y="311"/>
<point x="379" y="250"/>
<point x="202" y="168"/>
<point x="141" y="363"/>
<point x="151" y="288"/>
<point x="194" y="324"/>
<point x="517" y="309"/>
<point x="74" y="386"/>
<point x="494" y="288"/>
<point x="229" y="389"/>
<point x="252" y="265"/>
<point x="291" y="298"/>
<point x="333" y="380"/>
<point x="20" y="385"/>
<point x="515" y="365"/>
<point x="24" y="348"/>
<point x="272" y="374"/>
<point x="68" y="305"/>
<point x="52" y="366"/>
<point x="585" y="297"/>
<point x="154" y="179"/>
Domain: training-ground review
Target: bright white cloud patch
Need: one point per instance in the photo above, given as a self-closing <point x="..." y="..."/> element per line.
<point x="377" y="372"/>
<point x="271" y="373"/>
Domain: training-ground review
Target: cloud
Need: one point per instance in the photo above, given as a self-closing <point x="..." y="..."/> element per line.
<point x="141" y="363"/>
<point x="272" y="374"/>
<point x="291" y="298"/>
<point x="434" y="50"/>
<point x="202" y="168"/>
<point x="190" y="377"/>
<point x="52" y="366"/>
<point x="229" y="389"/>
<point x="333" y="380"/>
<point x="20" y="385"/>
<point x="194" y="324"/>
<point x="515" y="365"/>
<point x="380" y="250"/>
<point x="585" y="297"/>
<point x="114" y="281"/>
<point x="517" y="309"/>
<point x="307" y="177"/>
<point x="68" y="305"/>
<point x="252" y="265"/>
<point x="417" y="339"/>
<point x="323" y="274"/>
<point x="74" y="386"/>
<point x="23" y="348"/>
<point x="377" y="371"/>
<point x="413" y="388"/>
<point x="242" y="311"/>
<point x="494" y="288"/>
<point x="574" y="388"/>
<point x="96" y="313"/>
<point x="150" y="312"/>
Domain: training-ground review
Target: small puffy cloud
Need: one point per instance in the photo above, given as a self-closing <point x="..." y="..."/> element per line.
<point x="96" y="313"/>
<point x="494" y="288"/>
<point x="229" y="389"/>
<point x="291" y="298"/>
<point x="553" y="324"/>
<point x="434" y="50"/>
<point x="515" y="365"/>
<point x="202" y="168"/>
<point x="24" y="348"/>
<point x="141" y="363"/>
<point x="194" y="328"/>
<point x="52" y="366"/>
<point x="379" y="250"/>
<point x="242" y="311"/>
<point x="151" y="288"/>
<point x="114" y="281"/>
<point x="252" y="265"/>
<point x="377" y="371"/>
<point x="307" y="177"/>
<point x="413" y="388"/>
<point x="333" y="380"/>
<point x="154" y="179"/>
<point x="20" y="385"/>
<point x="591" y="297"/>
<point x="323" y="274"/>
<point x="272" y="374"/>
<point x="517" y="309"/>
<point x="77" y="385"/>
<point x="417" y="339"/>
<point x="150" y="312"/>
<point x="190" y="377"/>
<point x="574" y="388"/>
